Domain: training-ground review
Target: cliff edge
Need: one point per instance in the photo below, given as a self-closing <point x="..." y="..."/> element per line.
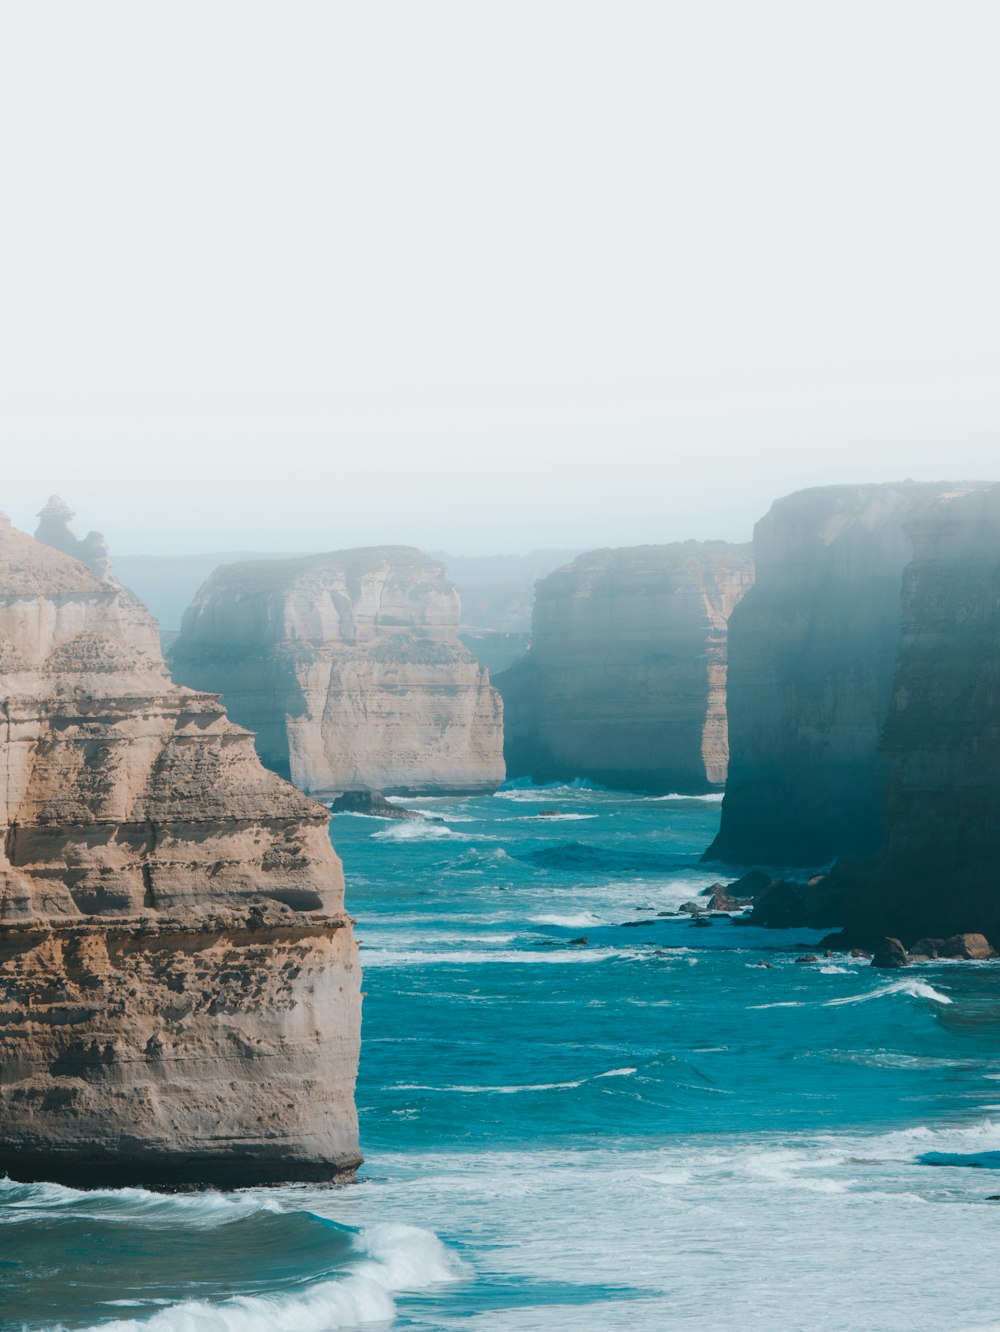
<point x="179" y="985"/>
<point x="348" y="669"/>
<point x="625" y="682"/>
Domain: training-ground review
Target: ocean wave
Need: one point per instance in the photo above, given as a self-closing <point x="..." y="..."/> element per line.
<point x="917" y="989"/>
<point x="522" y="1087"/>
<point x="599" y="859"/>
<point x="389" y="1258"/>
<point x="413" y="830"/>
<point x="384" y="957"/>
<point x="570" y="922"/>
<point x="712" y="798"/>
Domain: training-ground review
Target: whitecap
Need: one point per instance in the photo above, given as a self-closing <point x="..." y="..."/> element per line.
<point x="918" y="989"/>
<point x="392" y="1258"/>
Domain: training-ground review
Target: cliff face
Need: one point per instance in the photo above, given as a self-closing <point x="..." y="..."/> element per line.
<point x="812" y="653"/>
<point x="349" y="670"/>
<point x="625" y="682"/>
<point x="938" y="872"/>
<point x="179" y="988"/>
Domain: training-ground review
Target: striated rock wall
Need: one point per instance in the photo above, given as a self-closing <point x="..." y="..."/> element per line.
<point x="349" y="670"/>
<point x="625" y="682"/>
<point x="937" y="874"/>
<point x="812" y="653"/>
<point x="179" y="987"/>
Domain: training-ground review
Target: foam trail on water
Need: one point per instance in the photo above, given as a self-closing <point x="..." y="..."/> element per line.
<point x="918" y="989"/>
<point x="391" y="1258"/>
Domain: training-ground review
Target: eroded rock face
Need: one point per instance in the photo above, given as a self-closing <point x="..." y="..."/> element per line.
<point x="625" y="682"/>
<point x="179" y="987"/>
<point x="348" y="669"/>
<point x="937" y="875"/>
<point x="812" y="654"/>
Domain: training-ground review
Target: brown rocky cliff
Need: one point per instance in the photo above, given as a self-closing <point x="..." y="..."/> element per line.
<point x="625" y="683"/>
<point x="812" y="652"/>
<point x="349" y="670"/>
<point x="179" y="988"/>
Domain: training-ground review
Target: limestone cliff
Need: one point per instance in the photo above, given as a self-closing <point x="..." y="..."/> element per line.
<point x="812" y="652"/>
<point x="179" y="988"/>
<point x="625" y="682"/>
<point x="348" y="669"/>
<point x="937" y="874"/>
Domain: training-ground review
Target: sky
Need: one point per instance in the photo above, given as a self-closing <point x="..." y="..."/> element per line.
<point x="489" y="277"/>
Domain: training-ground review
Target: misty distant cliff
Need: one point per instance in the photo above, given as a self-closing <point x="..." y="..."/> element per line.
<point x="938" y="873"/>
<point x="626" y="677"/>
<point x="812" y="653"/>
<point x="348" y="668"/>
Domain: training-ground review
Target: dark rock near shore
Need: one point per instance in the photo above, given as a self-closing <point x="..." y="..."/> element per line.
<point x="785" y="904"/>
<point x="372" y="803"/>
<point x="890" y="954"/>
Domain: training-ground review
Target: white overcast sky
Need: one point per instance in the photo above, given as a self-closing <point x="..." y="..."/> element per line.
<point x="487" y="276"/>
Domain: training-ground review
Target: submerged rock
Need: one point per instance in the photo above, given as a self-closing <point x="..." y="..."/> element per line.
<point x="179" y="986"/>
<point x="349" y="670"/>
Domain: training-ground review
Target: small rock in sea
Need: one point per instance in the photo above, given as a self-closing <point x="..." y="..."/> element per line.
<point x="548" y="814"/>
<point x="722" y="900"/>
<point x="582" y="942"/>
<point x="859" y="952"/>
<point x="701" y="920"/>
<point x="769" y="965"/>
<point x="668" y="913"/>
<point x="372" y="803"/>
<point x="807" y="957"/>
<point x="693" y="907"/>
<point x="890" y="954"/>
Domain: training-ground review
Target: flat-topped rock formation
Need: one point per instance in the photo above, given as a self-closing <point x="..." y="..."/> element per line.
<point x="937" y="875"/>
<point x="812" y="654"/>
<point x="625" y="682"/>
<point x="179" y="987"/>
<point x="348" y="669"/>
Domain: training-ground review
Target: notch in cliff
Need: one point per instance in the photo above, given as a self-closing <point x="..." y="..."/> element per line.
<point x="349" y="670"/>
<point x="625" y="682"/>
<point x="179" y="988"/>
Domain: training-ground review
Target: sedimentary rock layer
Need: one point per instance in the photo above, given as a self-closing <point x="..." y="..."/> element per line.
<point x="179" y="988"/>
<point x="349" y="670"/>
<point x="937" y="874"/>
<point x="625" y="682"/>
<point x="812" y="653"/>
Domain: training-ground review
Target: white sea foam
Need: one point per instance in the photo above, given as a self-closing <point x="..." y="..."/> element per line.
<point x="415" y="831"/>
<point x="918" y="989"/>
<point x="522" y="1087"/>
<point x="713" y="797"/>
<point x="384" y="957"/>
<point x="573" y="922"/>
<point x="392" y="1258"/>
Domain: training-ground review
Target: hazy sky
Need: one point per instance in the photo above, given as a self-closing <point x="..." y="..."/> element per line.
<point x="488" y="276"/>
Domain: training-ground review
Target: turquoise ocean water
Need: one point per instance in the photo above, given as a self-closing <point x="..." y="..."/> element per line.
<point x="647" y="1130"/>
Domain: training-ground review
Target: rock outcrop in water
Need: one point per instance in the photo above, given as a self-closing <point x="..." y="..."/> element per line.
<point x="937" y="874"/>
<point x="348" y="669"/>
<point x="812" y="653"/>
<point x="179" y="988"/>
<point x="625" y="682"/>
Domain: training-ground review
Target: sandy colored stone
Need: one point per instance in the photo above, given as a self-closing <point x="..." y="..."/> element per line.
<point x="179" y="986"/>
<point x="349" y="670"/>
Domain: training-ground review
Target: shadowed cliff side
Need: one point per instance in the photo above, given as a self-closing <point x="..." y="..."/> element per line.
<point x="938" y="874"/>
<point x="812" y="653"/>
<point x="348" y="669"/>
<point x="625" y="682"/>
<point x="179" y="988"/>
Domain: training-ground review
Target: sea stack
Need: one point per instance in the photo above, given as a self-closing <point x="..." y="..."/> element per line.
<point x="937" y="875"/>
<point x="625" y="681"/>
<point x="812" y="654"/>
<point x="349" y="670"/>
<point x="179" y="985"/>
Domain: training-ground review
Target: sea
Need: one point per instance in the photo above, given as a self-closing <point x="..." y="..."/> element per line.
<point x="580" y="1114"/>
